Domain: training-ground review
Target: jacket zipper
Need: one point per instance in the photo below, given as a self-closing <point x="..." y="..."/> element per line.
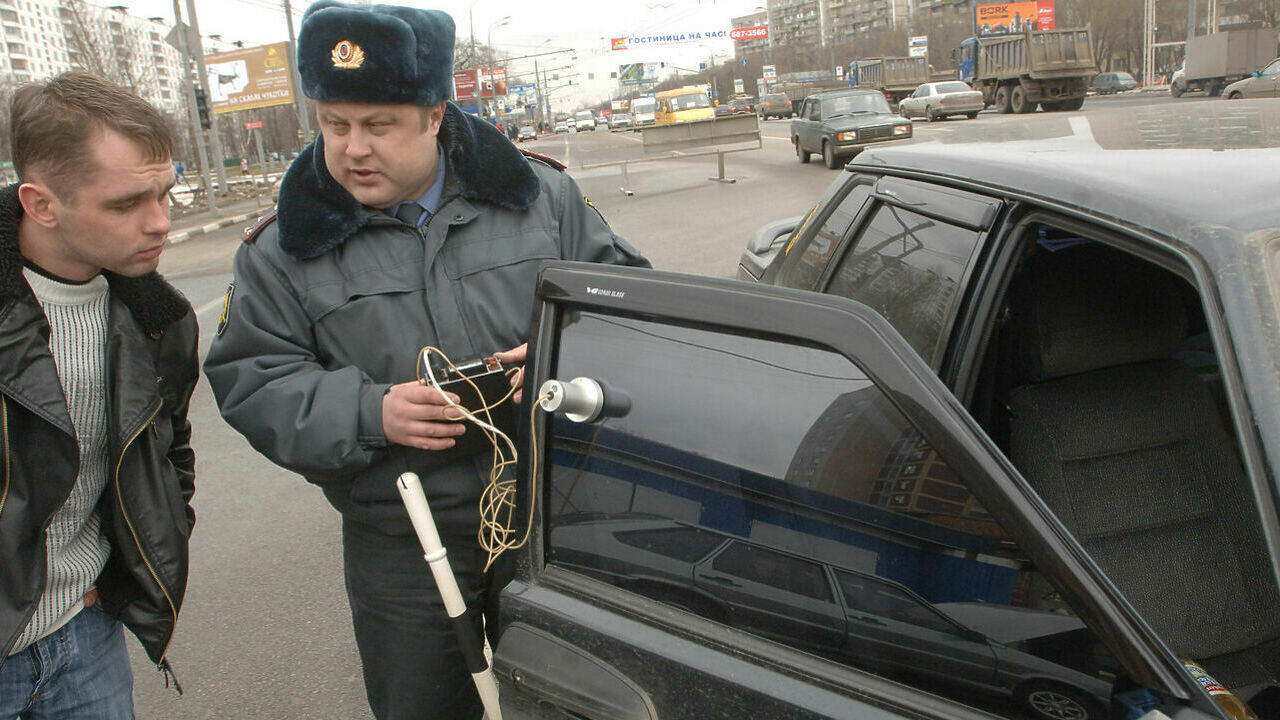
<point x="161" y="663"/>
<point x="4" y="430"/>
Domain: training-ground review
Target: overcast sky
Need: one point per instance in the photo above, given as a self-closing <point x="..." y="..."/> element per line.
<point x="585" y="25"/>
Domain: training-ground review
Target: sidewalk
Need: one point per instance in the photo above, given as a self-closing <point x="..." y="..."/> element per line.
<point x="230" y="212"/>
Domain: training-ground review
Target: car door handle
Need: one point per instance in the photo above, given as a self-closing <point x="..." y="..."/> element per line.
<point x="866" y="619"/>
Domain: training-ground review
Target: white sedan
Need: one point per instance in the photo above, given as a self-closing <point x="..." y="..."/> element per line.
<point x="937" y="100"/>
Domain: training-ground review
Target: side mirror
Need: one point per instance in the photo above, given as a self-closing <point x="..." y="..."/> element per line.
<point x="768" y="234"/>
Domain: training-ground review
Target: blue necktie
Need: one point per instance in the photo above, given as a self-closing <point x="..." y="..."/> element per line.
<point x="410" y="213"/>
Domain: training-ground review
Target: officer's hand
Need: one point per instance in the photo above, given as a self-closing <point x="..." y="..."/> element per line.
<point x="416" y="415"/>
<point x="515" y="356"/>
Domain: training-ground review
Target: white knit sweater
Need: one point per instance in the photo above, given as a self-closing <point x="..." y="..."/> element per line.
<point x="76" y="547"/>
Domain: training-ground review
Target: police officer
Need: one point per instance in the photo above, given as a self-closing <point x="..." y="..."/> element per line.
<point x="407" y="223"/>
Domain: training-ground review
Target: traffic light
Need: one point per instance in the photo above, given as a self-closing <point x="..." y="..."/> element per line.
<point x="202" y="107"/>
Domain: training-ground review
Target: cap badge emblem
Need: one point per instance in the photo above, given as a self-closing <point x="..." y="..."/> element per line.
<point x="347" y="55"/>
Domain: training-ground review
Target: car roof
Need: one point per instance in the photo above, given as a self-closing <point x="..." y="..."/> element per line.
<point x="1164" y="167"/>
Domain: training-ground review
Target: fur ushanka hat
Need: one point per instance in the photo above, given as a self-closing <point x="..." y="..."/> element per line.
<point x="375" y="54"/>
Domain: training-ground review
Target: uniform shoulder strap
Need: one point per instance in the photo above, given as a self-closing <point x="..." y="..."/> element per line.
<point x="251" y="233"/>
<point x="548" y="161"/>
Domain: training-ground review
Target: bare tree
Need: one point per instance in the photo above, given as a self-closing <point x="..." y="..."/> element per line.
<point x="100" y="42"/>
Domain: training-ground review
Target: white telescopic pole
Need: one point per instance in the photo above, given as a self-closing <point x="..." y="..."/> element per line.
<point x="415" y="501"/>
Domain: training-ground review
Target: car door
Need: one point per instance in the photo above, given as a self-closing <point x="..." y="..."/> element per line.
<point x="811" y="126"/>
<point x="785" y="420"/>
<point x="911" y="104"/>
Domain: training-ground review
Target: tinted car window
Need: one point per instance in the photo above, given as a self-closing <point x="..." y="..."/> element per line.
<point x="761" y="565"/>
<point x="907" y="267"/>
<point x="682" y="543"/>
<point x="832" y="481"/>
<point x="883" y="600"/>
<point x="806" y="260"/>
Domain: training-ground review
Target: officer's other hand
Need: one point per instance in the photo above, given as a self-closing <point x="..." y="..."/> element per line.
<point x="515" y="356"/>
<point x="416" y="415"/>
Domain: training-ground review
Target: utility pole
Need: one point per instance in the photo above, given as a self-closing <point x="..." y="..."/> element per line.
<point x="192" y="116"/>
<point x="299" y="101"/>
<point x="215" y="143"/>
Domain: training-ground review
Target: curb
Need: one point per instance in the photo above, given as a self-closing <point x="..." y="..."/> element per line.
<point x="185" y="235"/>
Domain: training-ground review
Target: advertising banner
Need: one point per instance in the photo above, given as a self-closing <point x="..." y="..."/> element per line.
<point x="525" y="94"/>
<point x="482" y="83"/>
<point x="637" y="73"/>
<point x="672" y="38"/>
<point x="464" y="85"/>
<point x="255" y="77"/>
<point x="493" y="82"/>
<point x="1014" y="17"/>
<point x="757" y="32"/>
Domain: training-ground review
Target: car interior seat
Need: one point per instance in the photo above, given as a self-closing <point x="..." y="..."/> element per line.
<point x="1127" y="446"/>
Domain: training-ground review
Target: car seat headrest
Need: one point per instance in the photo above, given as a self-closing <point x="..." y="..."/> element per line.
<point x="1088" y="307"/>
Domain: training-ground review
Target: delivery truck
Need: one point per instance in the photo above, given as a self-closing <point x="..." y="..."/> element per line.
<point x="1015" y="73"/>
<point x="1214" y="61"/>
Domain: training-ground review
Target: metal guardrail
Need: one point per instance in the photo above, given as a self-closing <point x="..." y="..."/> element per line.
<point x="718" y="136"/>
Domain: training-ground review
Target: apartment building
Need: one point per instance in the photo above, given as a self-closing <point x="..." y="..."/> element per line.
<point x="814" y="23"/>
<point x="43" y="38"/>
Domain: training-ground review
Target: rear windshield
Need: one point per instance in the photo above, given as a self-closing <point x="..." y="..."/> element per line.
<point x="953" y="87"/>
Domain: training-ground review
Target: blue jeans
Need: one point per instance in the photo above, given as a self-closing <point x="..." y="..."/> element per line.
<point x="80" y="672"/>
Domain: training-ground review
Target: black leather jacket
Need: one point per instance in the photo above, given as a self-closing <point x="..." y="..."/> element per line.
<point x="152" y="366"/>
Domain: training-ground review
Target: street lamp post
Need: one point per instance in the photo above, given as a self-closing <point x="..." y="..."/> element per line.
<point x="489" y="47"/>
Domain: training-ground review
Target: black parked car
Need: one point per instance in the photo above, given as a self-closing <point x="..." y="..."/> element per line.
<point x="985" y="405"/>
<point x="839" y="124"/>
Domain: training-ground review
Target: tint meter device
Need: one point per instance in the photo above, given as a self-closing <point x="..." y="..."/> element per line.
<point x="490" y="378"/>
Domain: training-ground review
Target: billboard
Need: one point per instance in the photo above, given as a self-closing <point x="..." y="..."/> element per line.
<point x="255" y="77"/>
<point x="637" y="73"/>
<point x="756" y="32"/>
<point x="481" y="83"/>
<point x="1013" y="17"/>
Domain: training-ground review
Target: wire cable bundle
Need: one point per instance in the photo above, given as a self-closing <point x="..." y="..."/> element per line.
<point x="498" y="500"/>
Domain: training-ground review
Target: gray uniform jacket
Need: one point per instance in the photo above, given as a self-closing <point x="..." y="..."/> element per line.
<point x="332" y="302"/>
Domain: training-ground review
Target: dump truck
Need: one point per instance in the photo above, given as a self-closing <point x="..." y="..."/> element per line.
<point x="800" y="85"/>
<point x="1015" y="73"/>
<point x="1214" y="61"/>
<point x="896" y="77"/>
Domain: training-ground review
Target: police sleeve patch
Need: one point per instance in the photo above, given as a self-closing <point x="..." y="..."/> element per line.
<point x="225" y="317"/>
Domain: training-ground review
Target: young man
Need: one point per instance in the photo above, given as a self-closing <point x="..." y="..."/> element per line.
<point x="97" y="364"/>
<point x="406" y="224"/>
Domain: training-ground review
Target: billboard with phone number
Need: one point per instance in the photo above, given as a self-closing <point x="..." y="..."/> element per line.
<point x="1013" y="17"/>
